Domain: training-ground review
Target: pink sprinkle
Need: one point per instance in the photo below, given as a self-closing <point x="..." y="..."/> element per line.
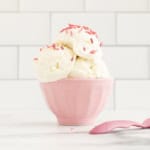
<point x="41" y="49"/>
<point x="91" y="40"/>
<point x="74" y="26"/>
<point x="84" y="49"/>
<point x="36" y="59"/>
<point x="86" y="28"/>
<point x="92" y="51"/>
<point x="101" y="44"/>
<point x="53" y="46"/>
<point x="71" y="33"/>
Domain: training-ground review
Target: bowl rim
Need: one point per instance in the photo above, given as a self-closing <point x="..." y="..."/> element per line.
<point x="81" y="79"/>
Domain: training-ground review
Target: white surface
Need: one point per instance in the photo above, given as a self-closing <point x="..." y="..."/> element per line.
<point x="36" y="131"/>
<point x="24" y="28"/>
<point x="133" y="29"/>
<point x="127" y="62"/>
<point x="133" y="95"/>
<point x="51" y="5"/>
<point x="116" y="5"/>
<point x="104" y="24"/>
<point x="8" y="58"/>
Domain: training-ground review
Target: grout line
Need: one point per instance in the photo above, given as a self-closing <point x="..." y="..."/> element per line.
<point x="114" y="95"/>
<point x="18" y="61"/>
<point x="148" y="58"/>
<point x="116" y="28"/>
<point x="148" y="5"/>
<point x="106" y="45"/>
<point x="18" y="6"/>
<point x="113" y="79"/>
<point x="123" y="45"/>
<point x="84" y="6"/>
<point x="21" y="45"/>
<point x="87" y="12"/>
<point x="131" y="79"/>
<point x="20" y="79"/>
<point x="23" y="12"/>
<point x="50" y="26"/>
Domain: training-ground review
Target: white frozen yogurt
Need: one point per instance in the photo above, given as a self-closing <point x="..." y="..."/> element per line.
<point x="75" y="54"/>
<point x="83" y="40"/>
<point x="84" y="68"/>
<point x="54" y="63"/>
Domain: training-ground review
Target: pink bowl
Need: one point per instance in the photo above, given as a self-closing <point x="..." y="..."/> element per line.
<point x="77" y="101"/>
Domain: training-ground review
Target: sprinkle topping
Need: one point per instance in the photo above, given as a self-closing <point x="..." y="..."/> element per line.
<point x="36" y="59"/>
<point x="86" y="29"/>
<point x="92" y="51"/>
<point x="101" y="44"/>
<point x="91" y="40"/>
<point x="84" y="49"/>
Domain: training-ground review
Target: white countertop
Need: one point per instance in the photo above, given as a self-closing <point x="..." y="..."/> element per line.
<point x="38" y="130"/>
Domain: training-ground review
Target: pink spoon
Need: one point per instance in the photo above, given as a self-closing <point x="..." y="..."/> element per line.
<point x="109" y="126"/>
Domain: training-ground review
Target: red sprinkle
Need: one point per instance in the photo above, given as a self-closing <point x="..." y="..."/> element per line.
<point x="53" y="45"/>
<point x="84" y="49"/>
<point x="101" y="44"/>
<point x="74" y="26"/>
<point x="92" y="51"/>
<point x="86" y="28"/>
<point x="91" y="40"/>
<point x="36" y="59"/>
<point x="71" y="33"/>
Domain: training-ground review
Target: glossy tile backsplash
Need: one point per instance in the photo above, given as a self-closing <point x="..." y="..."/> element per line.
<point x="123" y="26"/>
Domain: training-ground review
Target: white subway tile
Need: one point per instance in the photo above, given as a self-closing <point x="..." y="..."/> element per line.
<point x="8" y="5"/>
<point x="116" y="5"/>
<point x="103" y="24"/>
<point x="8" y="62"/>
<point x="24" y="28"/>
<point x="21" y="95"/>
<point x="51" y="5"/>
<point x="134" y="29"/>
<point x="132" y="95"/>
<point x="27" y="54"/>
<point x="128" y="62"/>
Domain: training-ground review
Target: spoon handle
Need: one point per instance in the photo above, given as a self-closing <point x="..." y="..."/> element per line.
<point x="109" y="126"/>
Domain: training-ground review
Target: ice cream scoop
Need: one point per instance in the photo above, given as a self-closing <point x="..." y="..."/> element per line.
<point x="84" y="68"/>
<point x="73" y="76"/>
<point x="54" y="63"/>
<point x="83" y="40"/>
